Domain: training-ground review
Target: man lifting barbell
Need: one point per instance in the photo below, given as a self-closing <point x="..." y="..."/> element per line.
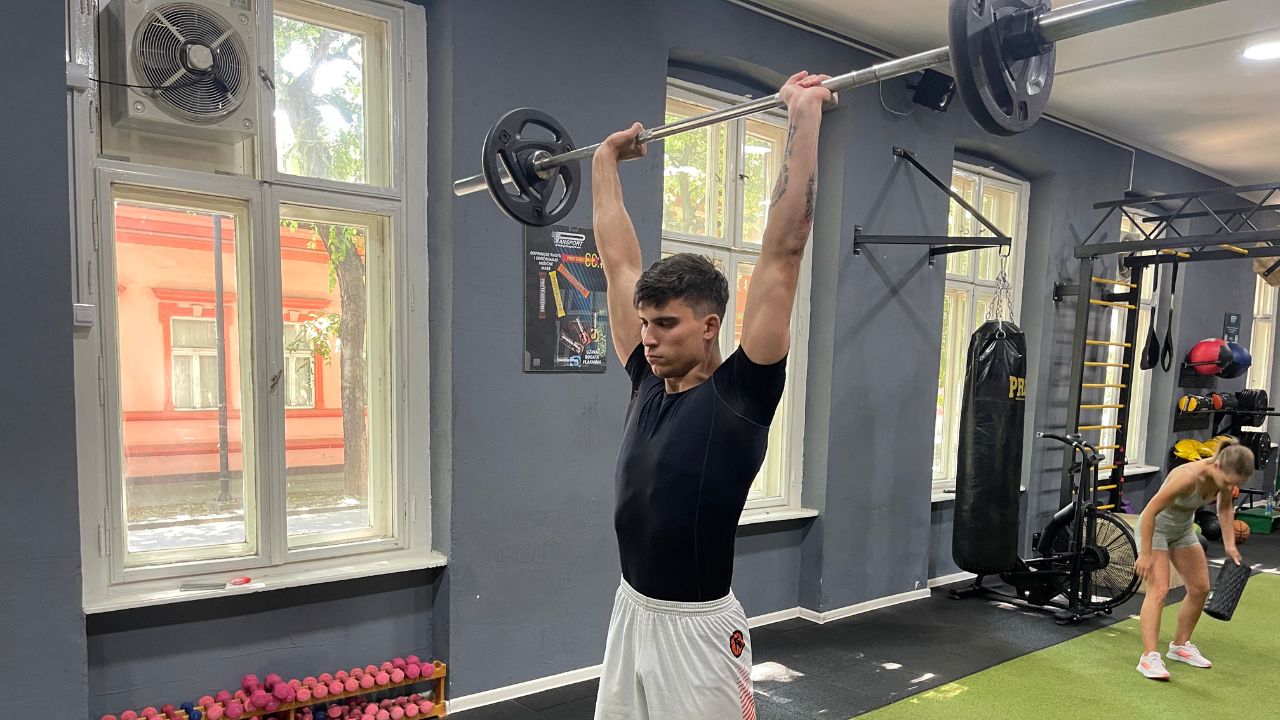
<point x="696" y="432"/>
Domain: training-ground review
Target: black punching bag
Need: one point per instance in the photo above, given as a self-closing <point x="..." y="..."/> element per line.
<point x="984" y="537"/>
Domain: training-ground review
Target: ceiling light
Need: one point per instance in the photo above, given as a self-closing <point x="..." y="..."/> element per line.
<point x="1263" y="51"/>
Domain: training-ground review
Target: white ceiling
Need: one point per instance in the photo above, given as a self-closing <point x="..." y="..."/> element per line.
<point x="1175" y="85"/>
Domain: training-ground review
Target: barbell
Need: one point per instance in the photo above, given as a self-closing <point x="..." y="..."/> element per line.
<point x="1001" y="51"/>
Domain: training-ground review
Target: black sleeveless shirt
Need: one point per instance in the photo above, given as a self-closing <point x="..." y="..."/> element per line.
<point x="687" y="462"/>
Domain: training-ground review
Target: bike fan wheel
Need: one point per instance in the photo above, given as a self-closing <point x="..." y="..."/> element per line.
<point x="1107" y="577"/>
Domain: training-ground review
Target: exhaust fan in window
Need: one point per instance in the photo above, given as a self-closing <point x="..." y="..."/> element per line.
<point x="194" y="65"/>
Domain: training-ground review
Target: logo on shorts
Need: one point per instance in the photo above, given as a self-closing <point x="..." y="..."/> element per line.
<point x="737" y="643"/>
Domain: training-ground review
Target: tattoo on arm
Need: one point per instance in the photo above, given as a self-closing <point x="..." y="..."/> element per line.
<point x="808" y="199"/>
<point x="781" y="187"/>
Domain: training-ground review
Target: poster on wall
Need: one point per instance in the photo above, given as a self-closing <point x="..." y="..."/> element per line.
<point x="566" y="321"/>
<point x="1231" y="327"/>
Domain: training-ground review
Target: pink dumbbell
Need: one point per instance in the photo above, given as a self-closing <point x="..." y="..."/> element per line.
<point x="234" y="710"/>
<point x="304" y="694"/>
<point x="351" y="685"/>
<point x="214" y="712"/>
<point x="397" y="675"/>
<point x="413" y="671"/>
<point x="411" y="710"/>
<point x="149" y="712"/>
<point x="335" y="687"/>
<point x="382" y="678"/>
<point x="319" y="691"/>
<point x="335" y="712"/>
<point x="383" y="715"/>
<point x="128" y="715"/>
<point x="366" y="681"/>
<point x="413" y="659"/>
<point x="370" y="669"/>
<point x="259" y="698"/>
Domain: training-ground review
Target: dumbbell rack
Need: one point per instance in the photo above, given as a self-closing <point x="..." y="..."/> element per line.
<point x="289" y="711"/>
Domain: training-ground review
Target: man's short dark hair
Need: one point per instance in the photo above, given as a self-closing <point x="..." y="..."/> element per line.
<point x="688" y="277"/>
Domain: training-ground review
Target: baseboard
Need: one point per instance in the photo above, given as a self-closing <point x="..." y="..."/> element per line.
<point x="773" y="617"/>
<point x="858" y="609"/>
<point x="953" y="577"/>
<point x="511" y="692"/>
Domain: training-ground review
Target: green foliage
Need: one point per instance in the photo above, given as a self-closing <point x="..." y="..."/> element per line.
<point x="316" y="334"/>
<point x="689" y="177"/>
<point x="323" y="101"/>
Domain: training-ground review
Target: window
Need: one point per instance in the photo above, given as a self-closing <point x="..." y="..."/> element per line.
<point x="970" y="288"/>
<point x="1140" y="380"/>
<point x="716" y="186"/>
<point x="1262" y="339"/>
<point x="197" y="384"/>
<point x="256" y="351"/>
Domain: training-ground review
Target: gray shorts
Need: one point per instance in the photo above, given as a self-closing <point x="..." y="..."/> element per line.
<point x="1172" y="532"/>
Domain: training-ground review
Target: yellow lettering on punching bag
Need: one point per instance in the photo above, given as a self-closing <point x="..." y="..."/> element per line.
<point x="1017" y="388"/>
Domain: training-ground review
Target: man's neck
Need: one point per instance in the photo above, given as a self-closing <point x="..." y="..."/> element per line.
<point x="697" y="375"/>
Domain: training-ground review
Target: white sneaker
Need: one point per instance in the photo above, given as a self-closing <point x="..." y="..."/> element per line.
<point x="1188" y="654"/>
<point x="1153" y="667"/>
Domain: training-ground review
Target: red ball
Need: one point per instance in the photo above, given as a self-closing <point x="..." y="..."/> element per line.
<point x="351" y="685"/>
<point x="1209" y="356"/>
<point x="366" y="681"/>
<point x="382" y="678"/>
<point x="397" y="675"/>
<point x="304" y="694"/>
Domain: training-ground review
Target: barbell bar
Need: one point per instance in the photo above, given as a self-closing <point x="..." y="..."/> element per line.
<point x="1002" y="52"/>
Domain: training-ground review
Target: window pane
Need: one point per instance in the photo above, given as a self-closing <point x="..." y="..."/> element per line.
<point x="761" y="160"/>
<point x="1264" y="300"/>
<point x="960" y="223"/>
<point x="693" y="176"/>
<point x="1260" y="370"/>
<point x="181" y="410"/>
<point x="742" y="286"/>
<point x="335" y="455"/>
<point x="1000" y="207"/>
<point x="955" y="342"/>
<point x="331" y="111"/>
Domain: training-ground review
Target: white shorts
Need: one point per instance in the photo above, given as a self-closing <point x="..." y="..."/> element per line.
<point x="676" y="661"/>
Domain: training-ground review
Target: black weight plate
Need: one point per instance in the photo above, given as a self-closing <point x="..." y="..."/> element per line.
<point x="512" y="143"/>
<point x="1004" y="94"/>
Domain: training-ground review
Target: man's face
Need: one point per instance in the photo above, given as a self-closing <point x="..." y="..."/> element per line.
<point x="675" y="337"/>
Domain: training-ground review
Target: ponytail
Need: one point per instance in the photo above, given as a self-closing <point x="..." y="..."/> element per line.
<point x="1233" y="457"/>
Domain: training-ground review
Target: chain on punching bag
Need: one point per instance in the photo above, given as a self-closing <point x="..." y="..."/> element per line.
<point x="989" y="469"/>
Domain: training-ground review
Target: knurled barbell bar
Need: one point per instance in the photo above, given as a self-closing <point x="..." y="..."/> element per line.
<point x="1001" y="51"/>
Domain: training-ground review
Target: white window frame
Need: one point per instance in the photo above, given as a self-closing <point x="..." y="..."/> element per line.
<point x="729" y="250"/>
<point x="972" y="285"/>
<point x="190" y="354"/>
<point x="108" y="584"/>
<point x="289" y="373"/>
<point x="1259" y="376"/>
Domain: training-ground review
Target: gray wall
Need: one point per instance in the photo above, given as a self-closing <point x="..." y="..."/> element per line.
<point x="526" y="514"/>
<point x="40" y="597"/>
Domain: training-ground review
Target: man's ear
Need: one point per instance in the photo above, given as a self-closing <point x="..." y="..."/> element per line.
<point x="711" y="327"/>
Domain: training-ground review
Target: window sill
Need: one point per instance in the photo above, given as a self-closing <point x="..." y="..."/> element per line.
<point x="163" y="592"/>
<point x="945" y="491"/>
<point x="757" y="517"/>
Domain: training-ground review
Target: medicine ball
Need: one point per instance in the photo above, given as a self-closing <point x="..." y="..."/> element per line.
<point x="1209" y="356"/>
<point x="1192" y="403"/>
<point x="1239" y="362"/>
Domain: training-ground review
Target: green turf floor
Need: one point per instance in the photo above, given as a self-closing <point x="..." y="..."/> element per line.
<point x="1093" y="676"/>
